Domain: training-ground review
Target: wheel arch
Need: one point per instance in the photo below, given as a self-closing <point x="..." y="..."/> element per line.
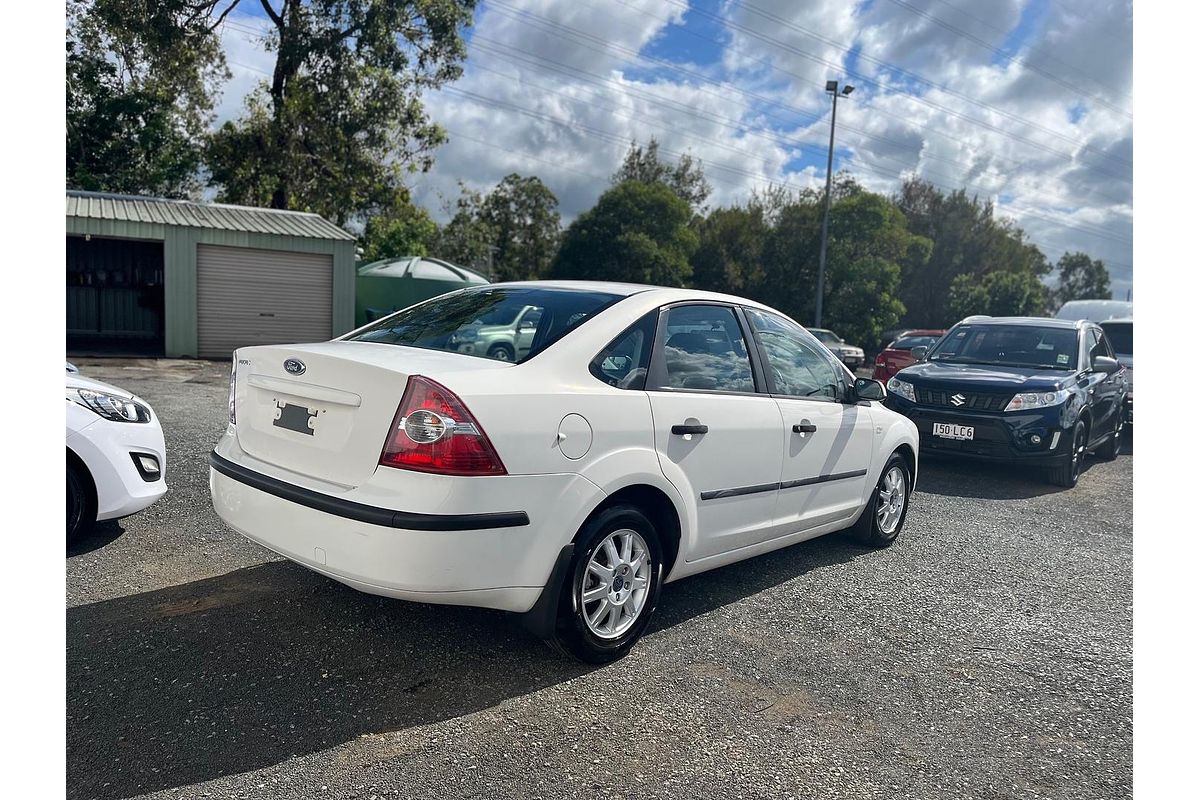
<point x="89" y="483"/>
<point x="655" y="504"/>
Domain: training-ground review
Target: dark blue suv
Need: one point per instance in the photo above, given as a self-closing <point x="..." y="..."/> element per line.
<point x="1015" y="389"/>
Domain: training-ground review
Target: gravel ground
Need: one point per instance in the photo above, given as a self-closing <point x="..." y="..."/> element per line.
<point x="987" y="654"/>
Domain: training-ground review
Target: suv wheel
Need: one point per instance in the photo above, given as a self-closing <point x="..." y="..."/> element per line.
<point x="501" y="352"/>
<point x="1112" y="448"/>
<point x="613" y="586"/>
<point x="1067" y="473"/>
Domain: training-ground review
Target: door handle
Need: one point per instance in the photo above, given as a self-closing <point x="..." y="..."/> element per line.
<point x="684" y="430"/>
<point x="804" y="427"/>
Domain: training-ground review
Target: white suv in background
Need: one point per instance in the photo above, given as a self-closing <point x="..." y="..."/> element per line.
<point x="116" y="457"/>
<point x="647" y="434"/>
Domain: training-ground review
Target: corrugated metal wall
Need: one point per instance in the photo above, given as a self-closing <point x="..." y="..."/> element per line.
<point x="180" y="246"/>
<point x="246" y="297"/>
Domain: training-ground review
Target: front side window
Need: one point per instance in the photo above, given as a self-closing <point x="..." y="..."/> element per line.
<point x="795" y="362"/>
<point x="703" y="349"/>
<point x="1031" y="346"/>
<point x="454" y="322"/>
<point x="627" y="358"/>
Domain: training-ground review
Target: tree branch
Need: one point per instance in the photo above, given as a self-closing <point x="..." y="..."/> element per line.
<point x="274" y="15"/>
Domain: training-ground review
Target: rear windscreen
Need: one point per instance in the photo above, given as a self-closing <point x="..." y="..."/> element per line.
<point x="909" y="342"/>
<point x="505" y="323"/>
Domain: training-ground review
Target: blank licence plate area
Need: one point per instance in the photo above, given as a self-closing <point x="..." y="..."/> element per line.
<point x="949" y="430"/>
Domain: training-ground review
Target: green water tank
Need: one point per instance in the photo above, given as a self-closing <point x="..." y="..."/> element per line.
<point x="382" y="287"/>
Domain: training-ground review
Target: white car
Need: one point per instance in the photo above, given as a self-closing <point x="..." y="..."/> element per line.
<point x="116" y="457"/>
<point x="648" y="434"/>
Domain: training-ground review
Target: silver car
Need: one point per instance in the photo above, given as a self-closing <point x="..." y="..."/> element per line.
<point x="504" y="333"/>
<point x="849" y="355"/>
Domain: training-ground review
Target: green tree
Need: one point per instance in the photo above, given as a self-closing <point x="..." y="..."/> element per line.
<point x="1081" y="278"/>
<point x="403" y="230"/>
<point x="140" y="84"/>
<point x="997" y="294"/>
<point x="522" y="215"/>
<point x="967" y="240"/>
<point x="466" y="239"/>
<point x="340" y="120"/>
<point x="636" y="232"/>
<point x="685" y="177"/>
<point x="730" y="255"/>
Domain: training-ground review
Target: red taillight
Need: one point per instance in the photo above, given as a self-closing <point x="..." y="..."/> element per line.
<point x="434" y="432"/>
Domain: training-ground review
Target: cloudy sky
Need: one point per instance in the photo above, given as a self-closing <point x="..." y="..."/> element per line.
<point x="1026" y="102"/>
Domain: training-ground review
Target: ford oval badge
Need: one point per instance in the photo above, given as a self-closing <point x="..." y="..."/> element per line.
<point x="294" y="366"/>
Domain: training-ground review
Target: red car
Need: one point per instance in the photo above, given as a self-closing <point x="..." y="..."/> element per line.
<point x="897" y="355"/>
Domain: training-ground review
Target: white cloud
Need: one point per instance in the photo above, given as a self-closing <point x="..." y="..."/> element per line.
<point x="1034" y="119"/>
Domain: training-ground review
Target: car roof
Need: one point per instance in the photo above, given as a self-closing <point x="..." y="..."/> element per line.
<point x="1125" y="320"/>
<point x="1043" y="322"/>
<point x="921" y="332"/>
<point x="665" y="294"/>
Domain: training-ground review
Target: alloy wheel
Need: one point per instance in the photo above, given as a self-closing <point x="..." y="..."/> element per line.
<point x="1078" y="446"/>
<point x="616" y="584"/>
<point x="892" y="497"/>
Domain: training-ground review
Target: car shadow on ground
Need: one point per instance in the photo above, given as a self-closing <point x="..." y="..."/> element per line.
<point x="230" y="674"/>
<point x="101" y="535"/>
<point x="958" y="477"/>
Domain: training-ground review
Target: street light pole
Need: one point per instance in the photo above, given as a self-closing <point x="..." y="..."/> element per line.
<point x="832" y="88"/>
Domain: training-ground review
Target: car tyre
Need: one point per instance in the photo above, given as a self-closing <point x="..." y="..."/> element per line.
<point x="81" y="513"/>
<point x="1112" y="447"/>
<point x="883" y="517"/>
<point x="612" y="586"/>
<point x="1066" y="474"/>
<point x="501" y="352"/>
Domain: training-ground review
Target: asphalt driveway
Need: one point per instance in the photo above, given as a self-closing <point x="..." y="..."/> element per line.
<point x="987" y="654"/>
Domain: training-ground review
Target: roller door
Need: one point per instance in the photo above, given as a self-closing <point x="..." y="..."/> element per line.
<point x="246" y="297"/>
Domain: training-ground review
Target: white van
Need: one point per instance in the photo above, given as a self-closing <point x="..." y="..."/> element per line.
<point x="1095" y="310"/>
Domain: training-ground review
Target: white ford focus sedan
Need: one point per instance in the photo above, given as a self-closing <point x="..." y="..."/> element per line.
<point x="648" y="434"/>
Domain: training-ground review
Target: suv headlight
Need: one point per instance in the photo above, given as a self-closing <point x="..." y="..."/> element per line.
<point x="110" y="406"/>
<point x="1028" y="400"/>
<point x="903" y="389"/>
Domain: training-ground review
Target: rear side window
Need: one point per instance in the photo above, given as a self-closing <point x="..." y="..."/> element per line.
<point x="478" y="321"/>
<point x="1120" y="336"/>
<point x="703" y="349"/>
<point x="625" y="361"/>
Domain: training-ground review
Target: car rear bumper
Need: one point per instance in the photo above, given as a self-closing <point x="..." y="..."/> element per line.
<point x="496" y="550"/>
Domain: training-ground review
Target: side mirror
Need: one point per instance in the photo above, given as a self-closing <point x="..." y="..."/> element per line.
<point x="918" y="352"/>
<point x="1105" y="364"/>
<point x="868" y="389"/>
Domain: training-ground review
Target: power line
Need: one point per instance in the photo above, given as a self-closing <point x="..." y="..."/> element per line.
<point x="904" y="72"/>
<point x="1082" y="227"/>
<point x="1042" y="50"/>
<point x="1011" y="59"/>
<point x="516" y="57"/>
<point x="618" y="139"/>
<point x="860" y="78"/>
